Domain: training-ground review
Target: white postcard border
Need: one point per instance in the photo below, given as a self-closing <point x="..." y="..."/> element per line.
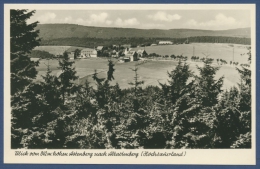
<point x="192" y="156"/>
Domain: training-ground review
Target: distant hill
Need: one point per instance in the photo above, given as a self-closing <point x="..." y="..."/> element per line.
<point x="58" y="31"/>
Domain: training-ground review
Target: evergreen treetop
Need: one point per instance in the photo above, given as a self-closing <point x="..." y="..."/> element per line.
<point x="23" y="39"/>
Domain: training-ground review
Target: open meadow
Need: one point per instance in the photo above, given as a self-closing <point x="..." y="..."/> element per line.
<point x="154" y="71"/>
<point x="213" y="50"/>
<point x="150" y="72"/>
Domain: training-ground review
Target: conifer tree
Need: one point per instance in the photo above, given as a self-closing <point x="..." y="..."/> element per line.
<point x="193" y="114"/>
<point x="137" y="83"/>
<point x="51" y="89"/>
<point x="132" y="134"/>
<point x="178" y="83"/>
<point x="25" y="100"/>
<point x="226" y="126"/>
<point x="110" y="71"/>
<point x="76" y="53"/>
<point x="207" y="88"/>
<point x="177" y="95"/>
<point x="106" y="97"/>
<point x="233" y="125"/>
<point x="23" y="39"/>
<point x="67" y="76"/>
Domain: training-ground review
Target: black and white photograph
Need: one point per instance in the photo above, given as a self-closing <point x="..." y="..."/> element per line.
<point x="139" y="78"/>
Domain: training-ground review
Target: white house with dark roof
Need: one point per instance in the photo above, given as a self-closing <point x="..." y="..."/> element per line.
<point x="88" y="52"/>
<point x="165" y="43"/>
<point x="131" y="56"/>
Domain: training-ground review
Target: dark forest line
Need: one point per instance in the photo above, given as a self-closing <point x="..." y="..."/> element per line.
<point x="90" y="42"/>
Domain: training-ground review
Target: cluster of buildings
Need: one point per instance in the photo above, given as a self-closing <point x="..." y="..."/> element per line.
<point x="123" y="52"/>
<point x="127" y="55"/>
<point x="131" y="55"/>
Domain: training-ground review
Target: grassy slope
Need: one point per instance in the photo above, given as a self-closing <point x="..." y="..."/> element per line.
<point x="214" y="50"/>
<point x="151" y="72"/>
<point x="155" y="71"/>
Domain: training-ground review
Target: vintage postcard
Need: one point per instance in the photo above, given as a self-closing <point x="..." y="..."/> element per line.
<point x="130" y="84"/>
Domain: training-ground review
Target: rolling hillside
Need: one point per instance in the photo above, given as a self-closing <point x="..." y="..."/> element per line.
<point x="57" y="31"/>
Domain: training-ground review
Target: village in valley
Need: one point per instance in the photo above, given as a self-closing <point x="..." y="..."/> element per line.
<point x="124" y="52"/>
<point x="126" y="56"/>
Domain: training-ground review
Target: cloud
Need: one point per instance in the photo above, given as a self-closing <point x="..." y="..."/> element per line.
<point x="51" y="17"/>
<point x="219" y="22"/>
<point x="163" y="16"/>
<point x="98" y="18"/>
<point x="126" y="22"/>
<point x="47" y="17"/>
<point x="95" y="20"/>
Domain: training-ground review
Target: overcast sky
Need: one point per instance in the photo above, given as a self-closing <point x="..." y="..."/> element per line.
<point x="148" y="19"/>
